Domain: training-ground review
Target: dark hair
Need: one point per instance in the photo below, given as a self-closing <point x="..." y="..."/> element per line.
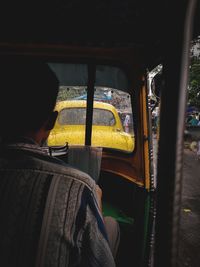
<point x="28" y="92"/>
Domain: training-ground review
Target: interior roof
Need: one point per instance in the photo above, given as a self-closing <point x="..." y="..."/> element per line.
<point x="104" y="23"/>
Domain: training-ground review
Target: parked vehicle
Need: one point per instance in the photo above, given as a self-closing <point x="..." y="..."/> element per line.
<point x="107" y="130"/>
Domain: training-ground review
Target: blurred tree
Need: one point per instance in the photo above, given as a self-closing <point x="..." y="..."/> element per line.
<point x="194" y="83"/>
<point x="194" y="74"/>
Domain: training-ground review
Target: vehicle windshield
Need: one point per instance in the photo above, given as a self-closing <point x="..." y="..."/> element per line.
<point x="111" y="107"/>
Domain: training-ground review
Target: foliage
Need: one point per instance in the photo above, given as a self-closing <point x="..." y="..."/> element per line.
<point x="67" y="93"/>
<point x="194" y="83"/>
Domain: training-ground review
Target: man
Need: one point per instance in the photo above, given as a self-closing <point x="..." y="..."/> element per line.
<point x="127" y="123"/>
<point x="194" y="121"/>
<point x="50" y="212"/>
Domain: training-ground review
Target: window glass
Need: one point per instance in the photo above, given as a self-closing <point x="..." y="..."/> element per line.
<point x="77" y="116"/>
<point x="111" y="93"/>
<point x="103" y="117"/>
<point x="72" y="116"/>
<point x="112" y="113"/>
<point x="71" y="74"/>
<point x="111" y="77"/>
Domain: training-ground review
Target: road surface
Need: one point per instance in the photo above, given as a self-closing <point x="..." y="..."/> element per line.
<point x="189" y="247"/>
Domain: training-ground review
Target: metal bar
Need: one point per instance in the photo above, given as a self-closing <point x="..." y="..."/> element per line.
<point x="90" y="97"/>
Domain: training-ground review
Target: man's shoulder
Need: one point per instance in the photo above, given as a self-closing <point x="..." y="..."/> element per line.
<point x="28" y="159"/>
<point x="58" y="167"/>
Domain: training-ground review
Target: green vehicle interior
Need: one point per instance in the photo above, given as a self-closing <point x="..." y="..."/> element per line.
<point x="113" y="45"/>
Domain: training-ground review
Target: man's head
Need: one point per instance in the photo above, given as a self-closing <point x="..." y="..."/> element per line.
<point x="28" y="92"/>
